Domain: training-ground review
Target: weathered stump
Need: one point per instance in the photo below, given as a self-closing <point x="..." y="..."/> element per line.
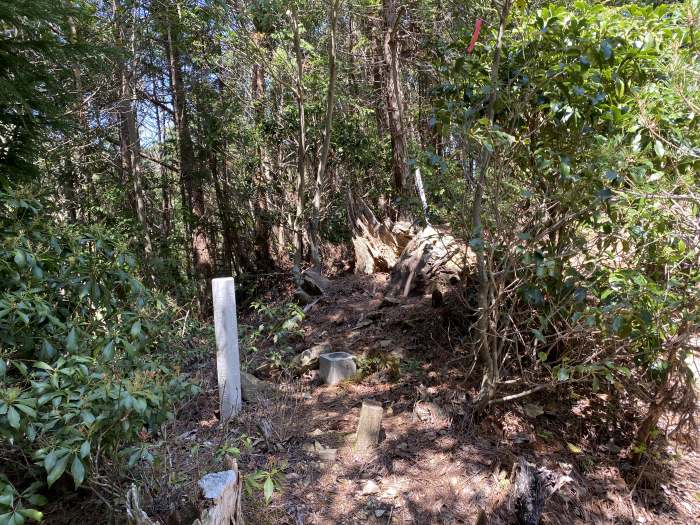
<point x="369" y="426"/>
<point x="431" y="260"/>
<point x="376" y="247"/>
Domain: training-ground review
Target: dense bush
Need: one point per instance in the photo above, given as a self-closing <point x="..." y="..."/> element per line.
<point x="588" y="168"/>
<point x="78" y="382"/>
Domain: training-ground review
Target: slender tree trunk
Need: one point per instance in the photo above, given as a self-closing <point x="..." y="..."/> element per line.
<point x="328" y="125"/>
<point x="394" y="97"/>
<point x="488" y="344"/>
<point x="190" y="180"/>
<point x="262" y="203"/>
<point x="166" y="198"/>
<point x="301" y="150"/>
<point x="130" y="142"/>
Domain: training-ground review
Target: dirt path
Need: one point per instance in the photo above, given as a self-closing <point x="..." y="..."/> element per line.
<point x="432" y="466"/>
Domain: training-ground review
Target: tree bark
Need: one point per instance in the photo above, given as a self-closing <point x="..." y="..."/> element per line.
<point x="301" y="150"/>
<point x="394" y="96"/>
<point x="328" y="125"/>
<point x="129" y="135"/>
<point x="263" y="258"/>
<point x="191" y="182"/>
<point x="487" y="342"/>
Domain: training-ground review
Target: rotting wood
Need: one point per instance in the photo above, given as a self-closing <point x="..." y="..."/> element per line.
<point x="222" y="492"/>
<point x="376" y="247"/>
<point x="368" y="426"/>
<point x="431" y="259"/>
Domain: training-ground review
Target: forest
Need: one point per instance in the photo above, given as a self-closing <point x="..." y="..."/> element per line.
<point x="489" y="210"/>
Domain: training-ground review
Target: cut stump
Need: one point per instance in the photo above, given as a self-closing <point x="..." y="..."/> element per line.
<point x="369" y="426"/>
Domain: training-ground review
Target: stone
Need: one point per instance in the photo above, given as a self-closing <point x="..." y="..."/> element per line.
<point x="389" y="301"/>
<point x="336" y="367"/>
<point x="228" y="365"/>
<point x="314" y="283"/>
<point x="254" y="389"/>
<point x="327" y="455"/>
<point x="309" y="357"/>
<point x="213" y="485"/>
<point x="370" y="487"/>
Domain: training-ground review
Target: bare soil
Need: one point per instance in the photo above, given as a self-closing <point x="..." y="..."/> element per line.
<point x="434" y="464"/>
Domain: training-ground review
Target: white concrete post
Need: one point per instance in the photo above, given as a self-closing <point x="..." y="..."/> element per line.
<point x="228" y="366"/>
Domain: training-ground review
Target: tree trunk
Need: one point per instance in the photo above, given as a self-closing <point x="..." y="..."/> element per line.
<point x="301" y="150"/>
<point x="394" y="97"/>
<point x="488" y="344"/>
<point x="328" y="125"/>
<point x="191" y="183"/>
<point x="129" y="135"/>
<point x="263" y="257"/>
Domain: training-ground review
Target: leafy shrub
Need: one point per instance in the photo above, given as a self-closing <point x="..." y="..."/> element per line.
<point x="78" y="380"/>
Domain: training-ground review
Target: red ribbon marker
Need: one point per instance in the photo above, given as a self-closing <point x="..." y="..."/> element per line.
<point x="475" y="36"/>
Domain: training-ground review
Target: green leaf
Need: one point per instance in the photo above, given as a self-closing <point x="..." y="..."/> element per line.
<point x="24" y="408"/>
<point x="85" y="449"/>
<point x="538" y="334"/>
<point x="619" y="87"/>
<point x="32" y="514"/>
<point x="659" y="148"/>
<point x="573" y="448"/>
<point x="50" y="461"/>
<point x="13" y="417"/>
<point x="563" y="373"/>
<point x="268" y="489"/>
<point x="16" y="519"/>
<point x="77" y="470"/>
<point x="72" y="340"/>
<point x="58" y="470"/>
<point x="543" y="356"/>
<point x="108" y="351"/>
<point x="6" y="500"/>
<point x="20" y="258"/>
<point x="135" y="329"/>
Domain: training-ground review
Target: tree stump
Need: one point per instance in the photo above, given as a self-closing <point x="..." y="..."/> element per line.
<point x="431" y="259"/>
<point x="368" y="426"/>
<point x="376" y="247"/>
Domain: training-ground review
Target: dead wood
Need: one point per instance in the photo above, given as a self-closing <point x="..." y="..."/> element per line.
<point x="431" y="260"/>
<point x="376" y="247"/>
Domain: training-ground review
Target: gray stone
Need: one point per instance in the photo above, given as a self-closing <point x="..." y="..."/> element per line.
<point x="309" y="356"/>
<point x="336" y="366"/>
<point x="254" y="389"/>
<point x="214" y="484"/>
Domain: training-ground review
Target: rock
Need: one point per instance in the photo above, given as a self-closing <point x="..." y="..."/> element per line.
<point x="302" y="297"/>
<point x="314" y="283"/>
<point x="213" y="485"/>
<point x="533" y="410"/>
<point x="389" y="301"/>
<point x="327" y="455"/>
<point x="370" y="487"/>
<point x="336" y="367"/>
<point x="379" y="513"/>
<point x="309" y="357"/>
<point x="254" y="389"/>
